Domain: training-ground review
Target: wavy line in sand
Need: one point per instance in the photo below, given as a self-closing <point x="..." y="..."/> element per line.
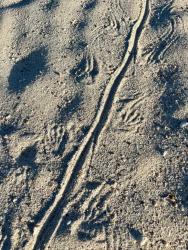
<point x="42" y="234"/>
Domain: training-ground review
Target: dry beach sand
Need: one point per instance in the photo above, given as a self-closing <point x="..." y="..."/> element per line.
<point x="93" y="124"/>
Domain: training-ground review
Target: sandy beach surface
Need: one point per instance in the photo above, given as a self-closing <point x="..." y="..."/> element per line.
<point x="93" y="124"/>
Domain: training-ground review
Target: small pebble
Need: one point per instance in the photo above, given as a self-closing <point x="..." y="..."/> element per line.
<point x="165" y="153"/>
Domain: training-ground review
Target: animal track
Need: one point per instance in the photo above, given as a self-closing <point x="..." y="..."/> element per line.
<point x="84" y="214"/>
<point x="92" y="210"/>
<point x="164" y="17"/>
<point x="116" y="237"/>
<point x="157" y="52"/>
<point x="118" y="6"/>
<point x="55" y="139"/>
<point x="114" y="23"/>
<point x="49" y="225"/>
<point x="130" y="113"/>
<point x="87" y="67"/>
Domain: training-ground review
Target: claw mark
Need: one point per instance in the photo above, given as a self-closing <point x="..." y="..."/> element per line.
<point x="95" y="201"/>
<point x="114" y="23"/>
<point x="99" y="31"/>
<point x="110" y="22"/>
<point x="163" y="16"/>
<point x="79" y="198"/>
<point x="92" y="66"/>
<point x="87" y="67"/>
<point x="43" y="232"/>
<point x="95" y="217"/>
<point x="131" y="115"/>
<point x="55" y="140"/>
<point x="116" y="237"/>
<point x="118" y="6"/>
<point x="166" y="41"/>
<point x="87" y="204"/>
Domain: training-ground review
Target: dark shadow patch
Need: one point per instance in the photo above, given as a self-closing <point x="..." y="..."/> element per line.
<point x="77" y="44"/>
<point x="27" y="156"/>
<point x="5" y="167"/>
<point x="183" y="192"/>
<point x="30" y="226"/>
<point x="89" y="5"/>
<point x="81" y="25"/>
<point x="6" y="232"/>
<point x="84" y="236"/>
<point x="78" y="72"/>
<point x="135" y="233"/>
<point x="95" y="69"/>
<point x="18" y="5"/>
<point x="7" y="129"/>
<point x="91" y="185"/>
<point x="173" y="96"/>
<point x="162" y="15"/>
<point x="27" y="70"/>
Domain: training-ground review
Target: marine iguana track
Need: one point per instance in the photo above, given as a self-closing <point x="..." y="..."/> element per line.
<point x="166" y="42"/>
<point x="44" y="230"/>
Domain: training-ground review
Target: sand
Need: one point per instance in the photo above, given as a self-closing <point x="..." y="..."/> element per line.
<point x="93" y="124"/>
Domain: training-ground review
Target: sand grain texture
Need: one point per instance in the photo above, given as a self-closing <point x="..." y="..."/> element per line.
<point x="93" y="124"/>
